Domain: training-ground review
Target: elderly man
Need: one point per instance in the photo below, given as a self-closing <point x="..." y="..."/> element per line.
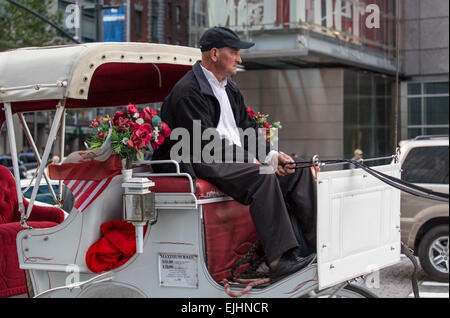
<point x="208" y="96"/>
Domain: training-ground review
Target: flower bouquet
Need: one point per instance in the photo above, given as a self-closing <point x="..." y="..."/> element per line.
<point x="262" y="120"/>
<point x="131" y="133"/>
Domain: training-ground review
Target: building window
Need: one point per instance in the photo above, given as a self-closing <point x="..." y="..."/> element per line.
<point x="169" y="10"/>
<point x="155" y="38"/>
<point x="137" y="22"/>
<point x="368" y="114"/>
<point x="178" y="16"/>
<point x="428" y="109"/>
<point x="155" y="22"/>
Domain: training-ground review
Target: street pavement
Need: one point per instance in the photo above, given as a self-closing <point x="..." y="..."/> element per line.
<point x="395" y="282"/>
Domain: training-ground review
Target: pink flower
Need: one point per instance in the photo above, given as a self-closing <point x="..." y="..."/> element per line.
<point x="165" y="129"/>
<point x="132" y="109"/>
<point x="141" y="136"/>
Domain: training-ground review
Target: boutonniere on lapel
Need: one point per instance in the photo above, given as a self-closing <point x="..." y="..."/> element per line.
<point x="263" y="123"/>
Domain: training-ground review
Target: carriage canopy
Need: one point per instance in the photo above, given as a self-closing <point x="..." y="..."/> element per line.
<point x="91" y="75"/>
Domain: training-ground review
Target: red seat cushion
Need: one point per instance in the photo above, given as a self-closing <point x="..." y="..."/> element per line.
<point x="229" y="235"/>
<point x="12" y="278"/>
<point x="8" y="196"/>
<point x="204" y="190"/>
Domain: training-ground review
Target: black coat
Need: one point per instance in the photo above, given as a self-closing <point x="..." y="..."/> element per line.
<point x="192" y="99"/>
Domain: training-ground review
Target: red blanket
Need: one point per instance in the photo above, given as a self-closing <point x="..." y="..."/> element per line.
<point x="115" y="248"/>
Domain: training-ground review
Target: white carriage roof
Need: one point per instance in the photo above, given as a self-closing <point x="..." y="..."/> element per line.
<point x="91" y="74"/>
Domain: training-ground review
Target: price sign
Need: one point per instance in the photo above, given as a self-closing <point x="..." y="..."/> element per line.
<point x="178" y="270"/>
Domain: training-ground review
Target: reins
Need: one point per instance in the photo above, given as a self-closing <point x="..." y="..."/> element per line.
<point x="402" y="185"/>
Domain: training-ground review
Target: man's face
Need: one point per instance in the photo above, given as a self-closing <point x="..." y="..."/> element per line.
<point x="227" y="60"/>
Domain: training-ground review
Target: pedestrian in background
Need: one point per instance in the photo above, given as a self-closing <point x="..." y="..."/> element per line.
<point x="357" y="156"/>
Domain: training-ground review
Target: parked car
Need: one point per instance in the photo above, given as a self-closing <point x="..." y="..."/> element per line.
<point x="44" y="196"/>
<point x="424" y="222"/>
<point x="7" y="162"/>
<point x="29" y="160"/>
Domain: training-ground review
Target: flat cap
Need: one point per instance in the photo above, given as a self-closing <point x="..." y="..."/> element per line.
<point x="219" y="37"/>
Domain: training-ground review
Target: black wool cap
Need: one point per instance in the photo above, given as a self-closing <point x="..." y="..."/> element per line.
<point x="219" y="37"/>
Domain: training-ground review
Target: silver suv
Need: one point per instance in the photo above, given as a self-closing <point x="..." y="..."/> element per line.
<point x="424" y="222"/>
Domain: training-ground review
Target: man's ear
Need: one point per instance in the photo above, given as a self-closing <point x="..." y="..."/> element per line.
<point x="213" y="54"/>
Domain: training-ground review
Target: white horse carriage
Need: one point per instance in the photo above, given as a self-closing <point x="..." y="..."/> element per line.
<point x="193" y="235"/>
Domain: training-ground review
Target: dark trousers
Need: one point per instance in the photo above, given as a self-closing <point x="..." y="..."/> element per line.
<point x="275" y="203"/>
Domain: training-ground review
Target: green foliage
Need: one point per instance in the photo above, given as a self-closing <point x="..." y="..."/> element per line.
<point x="277" y="125"/>
<point x="19" y="28"/>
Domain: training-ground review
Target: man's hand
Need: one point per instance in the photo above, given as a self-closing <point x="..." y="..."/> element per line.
<point x="284" y="168"/>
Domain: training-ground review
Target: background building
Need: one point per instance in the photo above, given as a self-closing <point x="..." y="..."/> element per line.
<point x="326" y="69"/>
<point x="198" y="20"/>
<point x="155" y="21"/>
<point x="425" y="56"/>
<point x="169" y="22"/>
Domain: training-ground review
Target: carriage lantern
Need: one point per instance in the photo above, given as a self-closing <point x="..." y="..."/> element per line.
<point x="139" y="207"/>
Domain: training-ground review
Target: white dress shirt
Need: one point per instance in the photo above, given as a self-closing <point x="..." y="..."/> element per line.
<point x="227" y="127"/>
<point x="227" y="124"/>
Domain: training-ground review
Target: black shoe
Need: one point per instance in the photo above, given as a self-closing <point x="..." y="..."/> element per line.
<point x="289" y="264"/>
<point x="299" y="256"/>
<point x="300" y="252"/>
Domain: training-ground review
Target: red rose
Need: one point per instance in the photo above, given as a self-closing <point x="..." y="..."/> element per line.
<point x="165" y="129"/>
<point x="250" y="112"/>
<point x="117" y="115"/>
<point x="160" y="140"/>
<point x="124" y="124"/>
<point x="132" y="109"/>
<point x="148" y="114"/>
<point x="141" y="136"/>
<point x="266" y="124"/>
<point x="96" y="122"/>
<point x="101" y="134"/>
